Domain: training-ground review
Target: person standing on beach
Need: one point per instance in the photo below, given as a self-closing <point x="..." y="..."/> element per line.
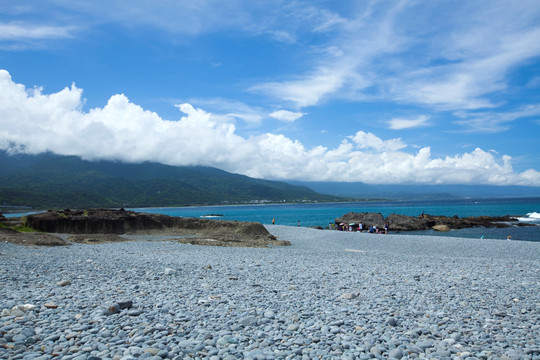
<point x="273" y="221"/>
<point x="298" y="222"/>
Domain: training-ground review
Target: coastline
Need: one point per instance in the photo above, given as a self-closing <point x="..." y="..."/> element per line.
<point x="312" y="215"/>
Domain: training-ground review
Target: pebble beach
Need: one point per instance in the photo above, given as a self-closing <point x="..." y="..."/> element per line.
<point x="330" y="295"/>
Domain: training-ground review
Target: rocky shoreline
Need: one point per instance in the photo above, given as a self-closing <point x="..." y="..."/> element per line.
<point x="109" y="225"/>
<point x="92" y="226"/>
<point x="398" y="222"/>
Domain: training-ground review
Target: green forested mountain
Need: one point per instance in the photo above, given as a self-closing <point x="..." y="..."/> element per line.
<point x="48" y="180"/>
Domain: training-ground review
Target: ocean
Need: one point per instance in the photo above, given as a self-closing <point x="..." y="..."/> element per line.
<point x="527" y="210"/>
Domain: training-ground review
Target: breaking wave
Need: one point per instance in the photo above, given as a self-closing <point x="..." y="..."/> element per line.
<point x="531" y="217"/>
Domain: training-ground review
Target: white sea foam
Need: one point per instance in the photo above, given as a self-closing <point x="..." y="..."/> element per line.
<point x="531" y="217"/>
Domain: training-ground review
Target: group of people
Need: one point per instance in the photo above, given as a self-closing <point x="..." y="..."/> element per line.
<point x="373" y="229"/>
<point x="360" y="227"/>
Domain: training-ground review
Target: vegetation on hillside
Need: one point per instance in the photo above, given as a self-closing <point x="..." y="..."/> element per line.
<point x="52" y="181"/>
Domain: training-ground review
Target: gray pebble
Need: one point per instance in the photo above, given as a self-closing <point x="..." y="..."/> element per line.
<point x="421" y="297"/>
<point x="64" y="283"/>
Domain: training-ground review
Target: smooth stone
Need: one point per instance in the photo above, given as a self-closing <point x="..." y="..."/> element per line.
<point x="135" y="312"/>
<point x="248" y="320"/>
<point x="163" y="354"/>
<point x="348" y="296"/>
<point x="125" y="304"/>
<point x="293" y="327"/>
<point x="424" y="345"/>
<point x="18" y="338"/>
<point x="169" y="271"/>
<point x="395" y="353"/>
<point x="152" y="351"/>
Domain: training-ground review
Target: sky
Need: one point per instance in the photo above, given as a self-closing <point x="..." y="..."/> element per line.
<point x="379" y="92"/>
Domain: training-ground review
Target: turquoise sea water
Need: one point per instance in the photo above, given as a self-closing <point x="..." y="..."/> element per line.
<point x="321" y="214"/>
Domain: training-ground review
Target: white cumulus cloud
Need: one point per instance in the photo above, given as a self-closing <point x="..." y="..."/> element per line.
<point x="285" y="115"/>
<point x="34" y="122"/>
<point x="401" y="123"/>
<point x="366" y="140"/>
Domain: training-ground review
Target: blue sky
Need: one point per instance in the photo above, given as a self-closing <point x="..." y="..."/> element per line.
<point x="382" y="92"/>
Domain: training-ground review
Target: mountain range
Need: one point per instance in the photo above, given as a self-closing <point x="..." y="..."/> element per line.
<point x="359" y="190"/>
<point x="53" y="181"/>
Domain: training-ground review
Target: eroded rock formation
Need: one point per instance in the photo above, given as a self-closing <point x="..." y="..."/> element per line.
<point x="424" y="222"/>
<point x="108" y="221"/>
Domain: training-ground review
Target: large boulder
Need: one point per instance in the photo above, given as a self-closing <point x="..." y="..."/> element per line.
<point x="442" y="228"/>
<point x="368" y="219"/>
<point x="398" y="222"/>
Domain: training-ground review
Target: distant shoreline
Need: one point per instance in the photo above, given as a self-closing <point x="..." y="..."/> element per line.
<point x="10" y="209"/>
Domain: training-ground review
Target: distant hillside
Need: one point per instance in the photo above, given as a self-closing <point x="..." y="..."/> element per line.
<point x="47" y="181"/>
<point x="418" y="192"/>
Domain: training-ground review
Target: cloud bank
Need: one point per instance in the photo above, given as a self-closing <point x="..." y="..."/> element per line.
<point x="34" y="122"/>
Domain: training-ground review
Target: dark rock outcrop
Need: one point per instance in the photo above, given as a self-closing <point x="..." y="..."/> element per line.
<point x="424" y="222"/>
<point x="95" y="221"/>
<point x="456" y="222"/>
<point x="108" y="221"/>
<point x="408" y="223"/>
<point x="368" y="219"/>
